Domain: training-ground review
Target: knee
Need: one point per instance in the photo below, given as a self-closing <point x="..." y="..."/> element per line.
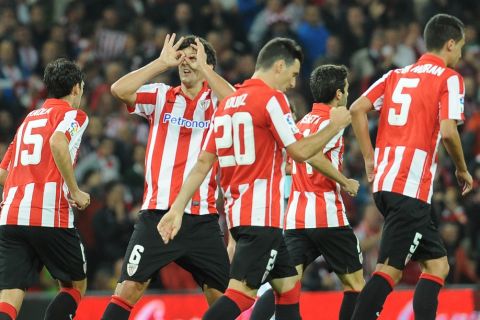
<point x="353" y="282"/>
<point x="438" y="267"/>
<point x="131" y="291"/>
<point x="80" y="286"/>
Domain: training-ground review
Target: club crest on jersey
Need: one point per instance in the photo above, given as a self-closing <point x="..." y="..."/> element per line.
<point x="73" y="129"/>
<point x="288" y="117"/>
<point x="204" y="104"/>
<point x="132" y="268"/>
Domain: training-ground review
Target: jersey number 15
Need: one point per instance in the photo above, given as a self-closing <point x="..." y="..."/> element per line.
<point x="28" y="138"/>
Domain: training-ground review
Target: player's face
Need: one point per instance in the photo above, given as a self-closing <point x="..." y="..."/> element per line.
<point x="189" y="76"/>
<point x="456" y="53"/>
<point x="288" y="76"/>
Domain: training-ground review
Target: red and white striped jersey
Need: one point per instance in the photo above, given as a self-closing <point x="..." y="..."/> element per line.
<point x="412" y="102"/>
<point x="250" y="131"/>
<point x="315" y="200"/>
<point x="35" y="193"/>
<point x="178" y="126"/>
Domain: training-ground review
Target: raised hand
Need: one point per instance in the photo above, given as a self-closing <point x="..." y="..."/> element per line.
<point x="170" y="54"/>
<point x="200" y="60"/>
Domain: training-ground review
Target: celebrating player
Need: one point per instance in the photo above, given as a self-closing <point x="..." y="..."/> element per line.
<point x="250" y="131"/>
<point x="419" y="105"/>
<point x="316" y="223"/>
<point x="179" y="118"/>
<point x="36" y="220"/>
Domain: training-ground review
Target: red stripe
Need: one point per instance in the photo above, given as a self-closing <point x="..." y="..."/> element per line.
<point x="247" y="204"/>
<point x="433" y="278"/>
<point x="8" y="309"/>
<point x="301" y="211"/>
<point x="121" y="303"/>
<point x="74" y="293"/>
<point x="242" y="300"/>
<point x="339" y="206"/>
<point x="290" y="297"/>
<point x="404" y="170"/>
<point x="391" y="160"/>
<point x="58" y="200"/>
<point x="144" y="98"/>
<point x="321" y="210"/>
<point x="387" y="277"/>
<point x="12" y="217"/>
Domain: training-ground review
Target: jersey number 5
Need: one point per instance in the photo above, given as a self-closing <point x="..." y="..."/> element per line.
<point x="404" y="99"/>
<point x="28" y="138"/>
<point x="241" y="137"/>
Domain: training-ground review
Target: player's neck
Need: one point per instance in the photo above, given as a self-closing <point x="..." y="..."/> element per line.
<point x="68" y="99"/>
<point x="265" y="77"/>
<point x="439" y="55"/>
<point x="192" y="91"/>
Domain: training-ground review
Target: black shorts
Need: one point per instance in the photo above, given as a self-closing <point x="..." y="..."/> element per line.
<point x="24" y="250"/>
<point x="198" y="247"/>
<point x="339" y="246"/>
<point x="260" y="256"/>
<point x="408" y="232"/>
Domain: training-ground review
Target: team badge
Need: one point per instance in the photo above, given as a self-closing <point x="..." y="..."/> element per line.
<point x="288" y="117"/>
<point x="132" y="268"/>
<point x="73" y="129"/>
<point x="204" y="104"/>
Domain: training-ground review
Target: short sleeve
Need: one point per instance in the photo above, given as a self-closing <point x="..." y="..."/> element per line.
<point x="73" y="123"/>
<point x="334" y="141"/>
<point x="7" y="157"/>
<point x="375" y="93"/>
<point x="150" y="98"/>
<point x="452" y="99"/>
<point x="281" y="123"/>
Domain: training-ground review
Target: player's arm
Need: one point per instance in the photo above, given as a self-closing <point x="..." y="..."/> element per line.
<point x="4" y="165"/>
<point x="126" y="87"/>
<point x="221" y="87"/>
<point x="170" y="223"/>
<point x="308" y="147"/>
<point x="321" y="164"/>
<point x="451" y="141"/>
<point x="61" y="156"/>
<point x="359" y="110"/>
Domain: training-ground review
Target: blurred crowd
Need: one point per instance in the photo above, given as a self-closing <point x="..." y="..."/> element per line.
<point x="111" y="38"/>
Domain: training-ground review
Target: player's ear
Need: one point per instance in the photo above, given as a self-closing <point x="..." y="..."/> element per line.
<point x="450" y="45"/>
<point x="339" y="94"/>
<point x="279" y="66"/>
<point x="76" y="90"/>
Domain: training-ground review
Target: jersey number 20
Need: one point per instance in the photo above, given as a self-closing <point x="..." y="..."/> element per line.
<point x="241" y="137"/>
<point x="404" y="99"/>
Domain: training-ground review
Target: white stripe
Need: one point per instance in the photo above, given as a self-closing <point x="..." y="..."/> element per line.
<point x="237" y="206"/>
<point x="377" y="104"/>
<point x="203" y="190"/>
<point x="344" y="212"/>
<point x="169" y="152"/>
<point x="148" y="166"/>
<point x="75" y="141"/>
<point x="227" y="201"/>
<point x="454" y="105"/>
<point x="393" y="172"/>
<point x="310" y="210"/>
<point x="415" y="174"/>
<point x="381" y="168"/>
<point x="6" y="205"/>
<point x="433" y="168"/>
<point x="270" y="187"/>
<point x="375" y="157"/>
<point x="282" y="188"/>
<point x="331" y="209"/>
<point x="282" y="127"/>
<point x="145" y="109"/>
<point x="292" y="210"/>
<point x="19" y="138"/>
<point x="259" y="202"/>
<point x="25" y="205"/>
<point x="67" y="121"/>
<point x="48" y="207"/>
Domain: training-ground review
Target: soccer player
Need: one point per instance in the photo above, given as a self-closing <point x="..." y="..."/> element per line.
<point x="250" y="131"/>
<point x="316" y="223"/>
<point x="179" y="119"/>
<point x="419" y="105"/>
<point x="36" y="219"/>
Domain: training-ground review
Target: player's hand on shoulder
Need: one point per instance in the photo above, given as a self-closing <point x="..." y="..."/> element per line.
<point x="170" y="54"/>
<point x="351" y="187"/>
<point x="79" y="199"/>
<point x="340" y="117"/>
<point x="169" y="225"/>
<point x="465" y="181"/>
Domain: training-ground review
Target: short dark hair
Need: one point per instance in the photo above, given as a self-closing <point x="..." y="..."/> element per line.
<point x="277" y="49"/>
<point x="61" y="76"/>
<point x="441" y="28"/>
<point x="209" y="50"/>
<point x="325" y="80"/>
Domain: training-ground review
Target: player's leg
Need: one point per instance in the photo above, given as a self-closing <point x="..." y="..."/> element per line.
<point x="62" y="252"/>
<point x="146" y="254"/>
<point x="341" y="249"/>
<point x="10" y="303"/>
<point x="405" y="220"/>
<point x="286" y="285"/>
<point x="206" y="255"/>
<point x="264" y="307"/>
<point x="19" y="267"/>
<point x="431" y="254"/>
<point x="252" y="261"/>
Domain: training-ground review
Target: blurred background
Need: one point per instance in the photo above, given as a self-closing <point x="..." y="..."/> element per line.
<point x="111" y="38"/>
